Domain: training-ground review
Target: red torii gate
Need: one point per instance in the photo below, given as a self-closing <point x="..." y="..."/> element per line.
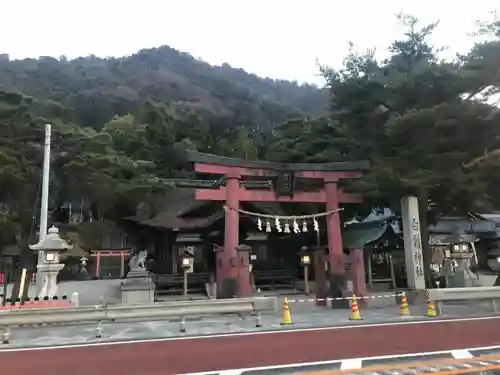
<point x="240" y="176"/>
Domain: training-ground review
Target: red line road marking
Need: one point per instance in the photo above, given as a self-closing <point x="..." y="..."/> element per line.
<point x="221" y="353"/>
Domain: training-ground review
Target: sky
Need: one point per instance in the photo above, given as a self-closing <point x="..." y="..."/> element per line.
<point x="272" y="38"/>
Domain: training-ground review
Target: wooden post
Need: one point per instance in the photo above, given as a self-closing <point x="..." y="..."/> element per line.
<point x="185" y="293"/>
<point x="391" y="270"/>
<point x="6" y="279"/>
<point x="122" y="264"/>
<point x="369" y="269"/>
<point x="98" y="265"/>
<point x="306" y="279"/>
<point x="22" y="285"/>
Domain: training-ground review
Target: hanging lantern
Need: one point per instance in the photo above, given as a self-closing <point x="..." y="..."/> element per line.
<point x="296" y="228"/>
<point x="287" y="227"/>
<point x="278" y="225"/>
<point x="304" y="226"/>
<point x="316" y="225"/>
<point x="259" y="224"/>
<point x="268" y="226"/>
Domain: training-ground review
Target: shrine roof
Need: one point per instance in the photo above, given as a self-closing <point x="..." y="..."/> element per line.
<point x="198" y="157"/>
<point x="166" y="212"/>
<point x="180" y="210"/>
<point x="358" y="235"/>
<point x="169" y="221"/>
<point x="452" y="225"/>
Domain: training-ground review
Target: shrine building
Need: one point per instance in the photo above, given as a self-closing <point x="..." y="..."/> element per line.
<point x="243" y="220"/>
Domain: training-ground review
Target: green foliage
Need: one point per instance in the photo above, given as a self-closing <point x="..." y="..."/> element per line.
<point x="19" y="171"/>
<point x="415" y="118"/>
<point x="85" y="167"/>
<point x="305" y="140"/>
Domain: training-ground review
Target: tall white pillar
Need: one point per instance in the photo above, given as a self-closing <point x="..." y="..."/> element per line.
<point x="413" y="243"/>
<point x="44" y="207"/>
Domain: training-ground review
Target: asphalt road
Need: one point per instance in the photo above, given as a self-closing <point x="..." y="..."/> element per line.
<point x="201" y="354"/>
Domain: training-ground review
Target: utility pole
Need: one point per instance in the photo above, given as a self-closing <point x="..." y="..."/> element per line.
<point x="44" y="205"/>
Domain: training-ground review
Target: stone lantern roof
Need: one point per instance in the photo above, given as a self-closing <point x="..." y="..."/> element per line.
<point x="52" y="242"/>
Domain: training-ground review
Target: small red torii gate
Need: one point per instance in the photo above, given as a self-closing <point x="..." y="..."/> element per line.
<point x="234" y="266"/>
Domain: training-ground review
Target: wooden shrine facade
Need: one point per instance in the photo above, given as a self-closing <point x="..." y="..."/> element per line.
<point x="259" y="181"/>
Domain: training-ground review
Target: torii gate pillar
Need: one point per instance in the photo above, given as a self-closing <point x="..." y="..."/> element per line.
<point x="335" y="249"/>
<point x="233" y="277"/>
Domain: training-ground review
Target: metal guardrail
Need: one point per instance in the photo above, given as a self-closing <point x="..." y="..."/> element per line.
<point x="10" y="319"/>
<point x="461" y="294"/>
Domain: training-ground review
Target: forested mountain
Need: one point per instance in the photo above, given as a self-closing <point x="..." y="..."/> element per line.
<point x="97" y="89"/>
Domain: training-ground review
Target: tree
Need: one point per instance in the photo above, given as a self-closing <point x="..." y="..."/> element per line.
<point x="410" y="115"/>
<point x="244" y="145"/>
<point x="417" y="119"/>
<point x="305" y="140"/>
<point x="115" y="183"/>
<point x="20" y="174"/>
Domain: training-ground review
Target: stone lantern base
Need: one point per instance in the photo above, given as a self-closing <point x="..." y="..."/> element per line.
<point x="49" y="272"/>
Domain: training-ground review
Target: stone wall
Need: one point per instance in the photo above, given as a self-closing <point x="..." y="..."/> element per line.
<point x="90" y="291"/>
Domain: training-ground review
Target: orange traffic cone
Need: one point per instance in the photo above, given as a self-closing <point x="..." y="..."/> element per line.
<point x="404" y="310"/>
<point x="431" y="309"/>
<point x="355" y="309"/>
<point x="287" y="316"/>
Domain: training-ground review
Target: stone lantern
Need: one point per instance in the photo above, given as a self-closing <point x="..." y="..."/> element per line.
<point x="305" y="261"/>
<point x="51" y="247"/>
<point x="461" y="251"/>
